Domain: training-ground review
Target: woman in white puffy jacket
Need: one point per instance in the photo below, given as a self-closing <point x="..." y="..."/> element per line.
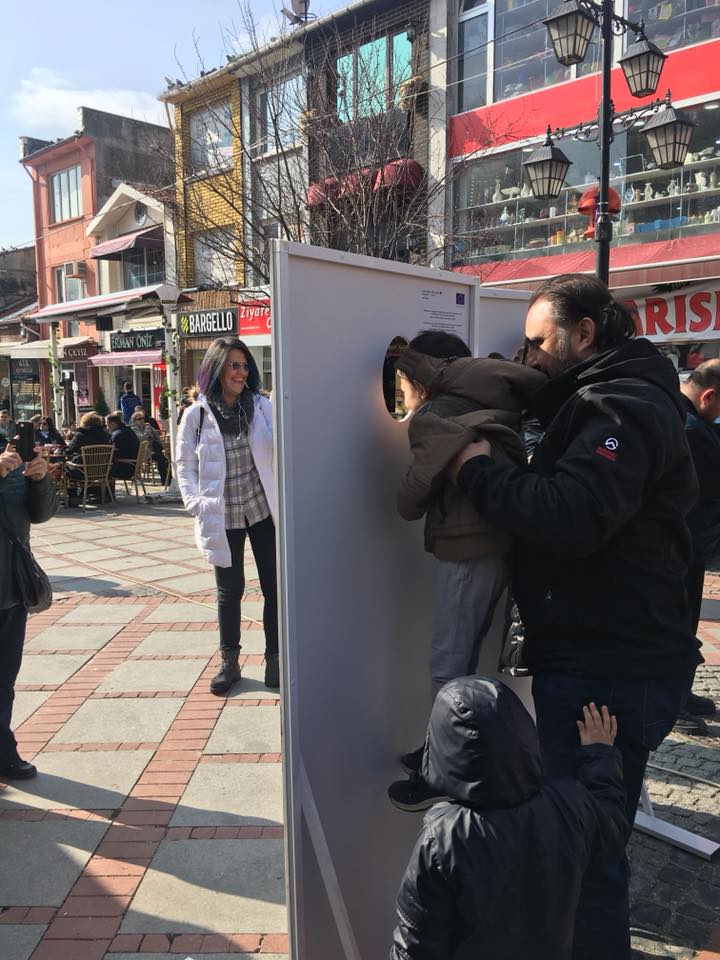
<point x="226" y="476"/>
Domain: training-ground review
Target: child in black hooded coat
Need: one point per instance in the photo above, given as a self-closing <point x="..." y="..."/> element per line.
<point x="496" y="870"/>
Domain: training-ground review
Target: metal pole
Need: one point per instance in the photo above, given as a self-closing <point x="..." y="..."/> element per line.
<point x="603" y="224"/>
<point x="55" y="394"/>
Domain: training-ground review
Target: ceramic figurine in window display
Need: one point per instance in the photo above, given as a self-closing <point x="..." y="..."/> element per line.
<point x="673" y="189"/>
<point x="573" y="201"/>
<point x="648" y="192"/>
<point x="526" y="191"/>
<point x="637" y="195"/>
<point x="504" y="216"/>
<point x="497" y="196"/>
<point x="629" y="195"/>
<point x="713" y="179"/>
<point x="701" y="180"/>
<point x="689" y="158"/>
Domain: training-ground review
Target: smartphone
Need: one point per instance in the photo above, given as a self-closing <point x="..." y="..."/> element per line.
<point x="25" y="440"/>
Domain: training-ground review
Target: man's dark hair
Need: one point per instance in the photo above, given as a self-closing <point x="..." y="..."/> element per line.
<point x="706" y="376"/>
<point x="574" y="296"/>
<point x="127" y="386"/>
<point x="115" y="418"/>
<point x="435" y="343"/>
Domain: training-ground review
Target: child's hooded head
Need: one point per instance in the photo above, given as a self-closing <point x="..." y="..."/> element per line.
<point x="482" y="747"/>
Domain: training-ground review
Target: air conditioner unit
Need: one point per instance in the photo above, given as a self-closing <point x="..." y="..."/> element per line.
<point x="75" y="270"/>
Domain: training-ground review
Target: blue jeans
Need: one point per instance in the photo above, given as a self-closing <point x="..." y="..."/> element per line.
<point x="646" y="711"/>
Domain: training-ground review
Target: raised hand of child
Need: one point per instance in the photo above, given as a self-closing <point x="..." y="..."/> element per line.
<point x="597" y="727"/>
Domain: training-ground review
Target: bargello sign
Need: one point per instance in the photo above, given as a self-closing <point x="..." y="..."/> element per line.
<point x="204" y="323"/>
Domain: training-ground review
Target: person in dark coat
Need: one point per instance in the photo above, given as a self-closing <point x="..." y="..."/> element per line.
<point x="27" y="495"/>
<point x="128" y="401"/>
<point x="91" y="432"/>
<point x="49" y="434"/>
<point x="602" y="551"/>
<point x="498" y="867"/>
<point x="701" y="396"/>
<point x="126" y="446"/>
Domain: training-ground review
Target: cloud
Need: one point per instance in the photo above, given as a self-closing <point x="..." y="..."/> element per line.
<point x="45" y="104"/>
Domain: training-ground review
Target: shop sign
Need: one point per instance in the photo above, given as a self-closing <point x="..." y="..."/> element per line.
<point x="24" y="370"/>
<point x="75" y="353"/>
<point x="683" y="316"/>
<point x="254" y="318"/>
<point x="159" y="373"/>
<point x="122" y="340"/>
<point x="203" y="323"/>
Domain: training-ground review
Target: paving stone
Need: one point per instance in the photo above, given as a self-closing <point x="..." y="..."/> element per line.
<point x="246" y="730"/>
<point x="41" y="861"/>
<point x="163" y="643"/>
<point x="217" y="886"/>
<point x="54" y="668"/>
<point x="94" y="554"/>
<point x="69" y="571"/>
<point x="232" y="794"/>
<point x="120" y="721"/>
<point x="180" y="675"/>
<point x="189" y="583"/>
<point x="710" y="610"/>
<point x="103" y="613"/>
<point x="253" y="642"/>
<point x="92" y="780"/>
<point x="104" y="585"/>
<point x="182" y="613"/>
<point x="252" y="686"/>
<point x="26" y="703"/>
<point x="17" y="941"/>
<point x="126" y="564"/>
<point x="74" y="638"/>
<point x="195" y="954"/>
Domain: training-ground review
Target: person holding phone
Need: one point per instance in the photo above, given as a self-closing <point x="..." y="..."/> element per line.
<point x="27" y="496"/>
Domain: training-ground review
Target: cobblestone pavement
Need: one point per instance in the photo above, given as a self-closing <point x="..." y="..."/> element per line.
<point x="675" y="896"/>
<point x="155" y="825"/>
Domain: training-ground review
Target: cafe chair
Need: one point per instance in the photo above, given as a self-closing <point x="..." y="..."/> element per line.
<point x="138" y="465"/>
<point x="95" y="467"/>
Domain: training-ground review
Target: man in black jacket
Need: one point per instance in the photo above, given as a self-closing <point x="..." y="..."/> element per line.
<point x="701" y="396"/>
<point x="602" y="551"/>
<point x="125" y="444"/>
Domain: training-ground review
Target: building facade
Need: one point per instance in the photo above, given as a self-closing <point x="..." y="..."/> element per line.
<point x="507" y="88"/>
<point x="71" y="179"/>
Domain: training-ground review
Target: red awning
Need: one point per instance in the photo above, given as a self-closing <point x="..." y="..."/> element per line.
<point x="110" y="250"/>
<point x="399" y="173"/>
<point x="321" y="192"/>
<point x="353" y="182"/>
<point x="644" y="263"/>
<point x="126" y="358"/>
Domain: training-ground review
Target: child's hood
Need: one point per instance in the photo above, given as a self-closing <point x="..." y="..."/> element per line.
<point x="482" y="747"/>
<point x="495" y="384"/>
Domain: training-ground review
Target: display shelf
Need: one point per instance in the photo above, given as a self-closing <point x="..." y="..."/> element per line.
<point x="687" y="195"/>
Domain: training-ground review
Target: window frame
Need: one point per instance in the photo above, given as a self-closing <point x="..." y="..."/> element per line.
<point x="264" y="144"/>
<point x="199" y="241"/>
<point x="60" y="194"/>
<point x="219" y="164"/>
<point x="348" y="112"/>
<point x="487" y="10"/>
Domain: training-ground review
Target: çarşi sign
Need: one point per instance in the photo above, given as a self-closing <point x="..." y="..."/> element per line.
<point x="690" y="315"/>
<point x="123" y="340"/>
<point x="204" y="323"/>
<point x="254" y="317"/>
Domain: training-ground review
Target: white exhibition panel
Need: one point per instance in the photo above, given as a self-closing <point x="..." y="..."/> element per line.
<point x="355" y="582"/>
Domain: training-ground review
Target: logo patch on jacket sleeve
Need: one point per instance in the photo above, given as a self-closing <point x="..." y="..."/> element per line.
<point x="608" y="448"/>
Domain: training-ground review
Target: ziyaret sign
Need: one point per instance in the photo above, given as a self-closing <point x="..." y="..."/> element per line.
<point x="254" y="317"/>
<point x="203" y="323"/>
<point x="689" y="315"/>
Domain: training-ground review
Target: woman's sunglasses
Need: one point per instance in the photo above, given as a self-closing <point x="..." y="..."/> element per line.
<point x="236" y="365"/>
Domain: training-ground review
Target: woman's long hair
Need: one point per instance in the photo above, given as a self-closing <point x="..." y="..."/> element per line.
<point x="208" y="378"/>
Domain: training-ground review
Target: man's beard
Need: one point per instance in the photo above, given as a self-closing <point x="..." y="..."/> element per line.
<point x="564" y="357"/>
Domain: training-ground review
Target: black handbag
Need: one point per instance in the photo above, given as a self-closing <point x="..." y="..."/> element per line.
<point x="31" y="581"/>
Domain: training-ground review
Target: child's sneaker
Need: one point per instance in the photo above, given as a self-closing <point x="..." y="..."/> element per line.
<point x="413" y="794"/>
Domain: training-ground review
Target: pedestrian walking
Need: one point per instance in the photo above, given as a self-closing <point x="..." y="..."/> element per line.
<point x="602" y="551"/>
<point x="453" y="395"/>
<point x="497" y="869"/>
<point x="226" y="477"/>
<point x="128" y="401"/>
<point x="27" y="496"/>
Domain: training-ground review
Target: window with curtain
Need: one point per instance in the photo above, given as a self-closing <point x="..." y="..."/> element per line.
<point x="65" y="198"/>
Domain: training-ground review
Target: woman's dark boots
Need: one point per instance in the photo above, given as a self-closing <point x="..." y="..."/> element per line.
<point x="228" y="674"/>
<point x="272" y="671"/>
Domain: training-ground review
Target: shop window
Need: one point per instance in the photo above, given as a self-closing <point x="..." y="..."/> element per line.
<point x="676" y="23"/>
<point x="392" y="390"/>
<point x="369" y="79"/>
<point x="65" y="197"/>
<point x="142" y="268"/>
<point x="214" y="256"/>
<point x="277" y="111"/>
<point x="211" y="138"/>
<point x="524" y="59"/>
<point x="472" y="55"/>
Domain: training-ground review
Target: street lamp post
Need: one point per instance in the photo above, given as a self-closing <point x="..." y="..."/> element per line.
<point x="668" y="130"/>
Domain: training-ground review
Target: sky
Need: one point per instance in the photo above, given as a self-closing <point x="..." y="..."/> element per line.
<point x="110" y="56"/>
